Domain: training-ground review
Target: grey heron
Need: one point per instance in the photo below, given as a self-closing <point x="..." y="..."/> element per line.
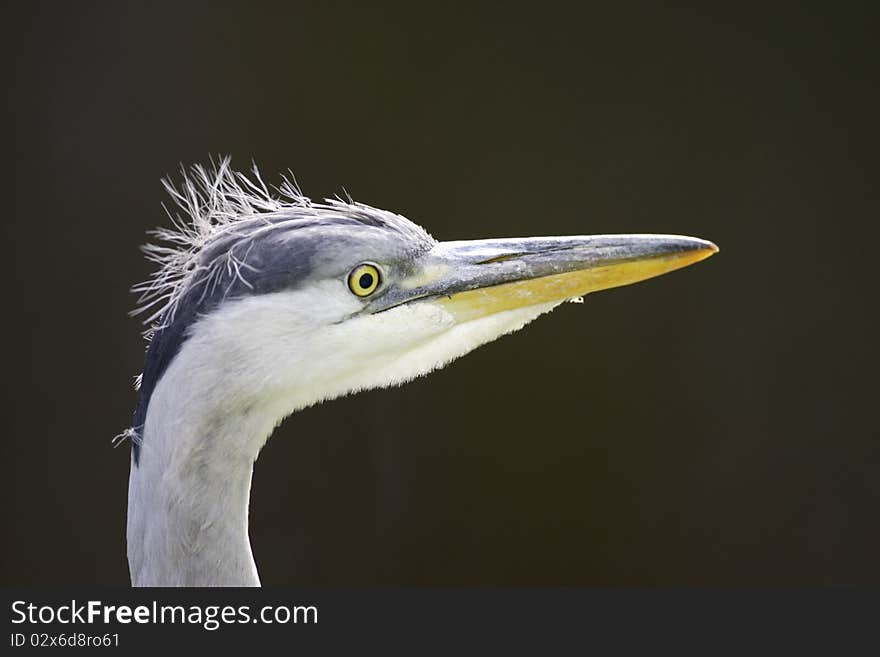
<point x="265" y="302"/>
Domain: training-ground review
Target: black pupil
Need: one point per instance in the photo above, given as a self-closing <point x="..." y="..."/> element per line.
<point x="365" y="281"/>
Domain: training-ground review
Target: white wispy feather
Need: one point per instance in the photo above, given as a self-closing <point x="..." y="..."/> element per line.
<point x="213" y="199"/>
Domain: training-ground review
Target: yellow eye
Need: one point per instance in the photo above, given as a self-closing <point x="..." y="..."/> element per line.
<point x="363" y="280"/>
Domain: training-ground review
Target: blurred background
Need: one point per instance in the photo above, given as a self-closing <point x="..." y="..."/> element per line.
<point x="715" y="426"/>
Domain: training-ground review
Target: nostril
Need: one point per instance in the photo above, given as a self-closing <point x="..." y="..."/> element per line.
<point x="501" y="258"/>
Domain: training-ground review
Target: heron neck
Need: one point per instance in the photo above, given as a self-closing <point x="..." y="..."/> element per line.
<point x="190" y="491"/>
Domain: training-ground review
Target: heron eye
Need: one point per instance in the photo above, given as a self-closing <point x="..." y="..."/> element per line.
<point x="363" y="280"/>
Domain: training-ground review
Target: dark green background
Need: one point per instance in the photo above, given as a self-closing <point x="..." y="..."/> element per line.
<point x="715" y="426"/>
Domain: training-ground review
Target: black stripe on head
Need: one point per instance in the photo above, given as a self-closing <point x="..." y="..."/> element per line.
<point x="239" y="267"/>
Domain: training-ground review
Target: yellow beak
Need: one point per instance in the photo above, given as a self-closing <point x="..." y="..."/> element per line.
<point x="596" y="274"/>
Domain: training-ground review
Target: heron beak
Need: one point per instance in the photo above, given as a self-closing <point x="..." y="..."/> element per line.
<point x="473" y="279"/>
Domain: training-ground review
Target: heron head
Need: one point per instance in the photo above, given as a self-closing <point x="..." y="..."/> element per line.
<point x="298" y="302"/>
